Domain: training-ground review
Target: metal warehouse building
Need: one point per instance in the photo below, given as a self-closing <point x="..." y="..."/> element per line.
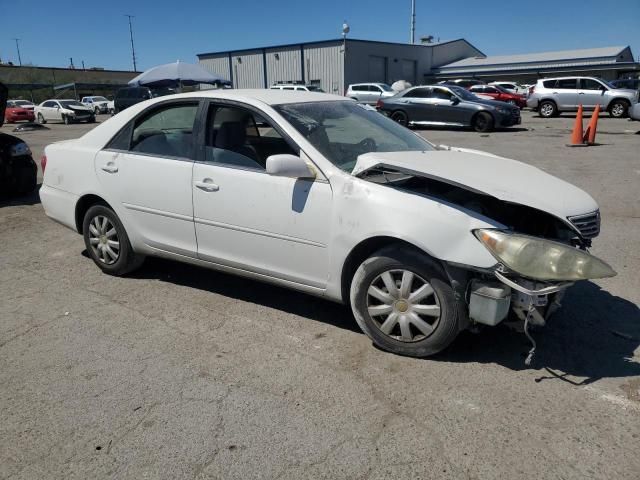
<point x="334" y="64"/>
<point x="607" y="62"/>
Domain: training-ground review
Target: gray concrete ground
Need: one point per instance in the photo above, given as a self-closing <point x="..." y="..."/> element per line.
<point x="180" y="372"/>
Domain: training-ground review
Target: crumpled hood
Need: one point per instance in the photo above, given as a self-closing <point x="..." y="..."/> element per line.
<point x="502" y="178"/>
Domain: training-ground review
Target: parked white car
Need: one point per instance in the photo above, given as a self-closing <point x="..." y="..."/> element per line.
<point x="66" y="111"/>
<point x="369" y="92"/>
<point x="512" y="87"/>
<point x="97" y="103"/>
<point x="313" y="192"/>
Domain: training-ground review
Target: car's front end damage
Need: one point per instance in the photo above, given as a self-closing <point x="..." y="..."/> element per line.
<point x="539" y="237"/>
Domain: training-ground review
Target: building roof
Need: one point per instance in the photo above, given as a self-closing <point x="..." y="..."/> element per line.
<point x="560" y="55"/>
<point x="335" y="41"/>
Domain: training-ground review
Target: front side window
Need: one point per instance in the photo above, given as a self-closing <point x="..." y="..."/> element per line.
<point x="417" y="93"/>
<point x="239" y="137"/>
<point x="589" y="84"/>
<point x="441" y="93"/>
<point x="343" y="130"/>
<point x="166" y="132"/>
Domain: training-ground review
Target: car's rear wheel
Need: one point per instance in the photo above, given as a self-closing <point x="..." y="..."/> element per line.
<point x="41" y="119"/>
<point x="107" y="241"/>
<point x="400" y="117"/>
<point x="547" y="109"/>
<point x="619" y="109"/>
<point x="483" y="122"/>
<point x="402" y="300"/>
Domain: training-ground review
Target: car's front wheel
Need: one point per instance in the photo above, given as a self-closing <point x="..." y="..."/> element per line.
<point x="483" y="122"/>
<point x="400" y="117"/>
<point x="547" y="109"/>
<point x="402" y="300"/>
<point x="107" y="241"/>
<point x="619" y="109"/>
<point x="41" y="119"/>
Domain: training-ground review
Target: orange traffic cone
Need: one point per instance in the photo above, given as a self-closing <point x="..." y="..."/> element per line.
<point x="576" y="136"/>
<point x="590" y="134"/>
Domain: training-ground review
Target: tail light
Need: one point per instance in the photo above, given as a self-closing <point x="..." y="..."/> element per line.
<point x="379" y="103"/>
<point x="43" y="163"/>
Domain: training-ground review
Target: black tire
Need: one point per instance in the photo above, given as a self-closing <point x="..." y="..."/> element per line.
<point x="400" y="117"/>
<point x="92" y="119"/>
<point x="27" y="178"/>
<point x="66" y="119"/>
<point x="403" y="259"/>
<point x="127" y="260"/>
<point x="41" y="119"/>
<point x="483" y="122"/>
<point x="547" y="109"/>
<point x="619" y="109"/>
<point x="96" y="111"/>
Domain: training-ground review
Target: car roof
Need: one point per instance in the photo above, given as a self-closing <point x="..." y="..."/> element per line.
<point x="264" y="95"/>
<point x="368" y="83"/>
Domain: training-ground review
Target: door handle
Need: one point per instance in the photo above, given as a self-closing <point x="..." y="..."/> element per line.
<point x="110" y="168"/>
<point x="580" y="93"/>
<point x="207" y="185"/>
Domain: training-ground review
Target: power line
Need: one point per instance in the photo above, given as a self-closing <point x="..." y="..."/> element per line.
<point x="18" y="48"/>
<point x="133" y="48"/>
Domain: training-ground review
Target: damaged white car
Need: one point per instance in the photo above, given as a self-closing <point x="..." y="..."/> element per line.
<point x="313" y="192"/>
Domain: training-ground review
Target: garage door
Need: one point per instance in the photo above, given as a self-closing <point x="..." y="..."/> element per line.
<point x="409" y="71"/>
<point x="377" y="69"/>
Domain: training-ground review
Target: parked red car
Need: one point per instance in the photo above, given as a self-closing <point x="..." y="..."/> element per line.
<point x="16" y="113"/>
<point x="498" y="93"/>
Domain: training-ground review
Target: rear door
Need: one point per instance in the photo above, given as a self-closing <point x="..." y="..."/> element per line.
<point x="442" y="109"/>
<point x="146" y="173"/>
<point x="418" y="104"/>
<point x="565" y="92"/>
<point x="591" y="93"/>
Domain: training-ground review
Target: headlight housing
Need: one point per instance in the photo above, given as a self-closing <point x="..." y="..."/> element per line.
<point x="542" y="259"/>
<point x="20" y="149"/>
<point x="504" y="111"/>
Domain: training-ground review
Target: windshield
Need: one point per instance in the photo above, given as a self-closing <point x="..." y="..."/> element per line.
<point x="70" y="103"/>
<point x="606" y="82"/>
<point x="463" y="93"/>
<point x="343" y="130"/>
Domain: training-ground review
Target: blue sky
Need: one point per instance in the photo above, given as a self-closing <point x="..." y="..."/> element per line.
<point x="165" y="31"/>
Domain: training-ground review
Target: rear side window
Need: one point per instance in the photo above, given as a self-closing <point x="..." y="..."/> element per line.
<point x="166" y="132"/>
<point x="567" y="83"/>
<point x="360" y="88"/>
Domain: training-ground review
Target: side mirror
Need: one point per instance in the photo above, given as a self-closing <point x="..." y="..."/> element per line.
<point x="455" y="100"/>
<point x="287" y="165"/>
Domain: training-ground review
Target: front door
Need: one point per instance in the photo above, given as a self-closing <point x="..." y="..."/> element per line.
<point x="146" y="172"/>
<point x="591" y="93"/>
<point x="442" y="107"/>
<point x="248" y="219"/>
<point x="418" y="104"/>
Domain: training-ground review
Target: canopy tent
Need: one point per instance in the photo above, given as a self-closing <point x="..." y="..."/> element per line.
<point x="176" y="74"/>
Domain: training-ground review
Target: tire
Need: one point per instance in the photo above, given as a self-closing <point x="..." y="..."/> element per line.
<point x="400" y="117"/>
<point x="619" y="109"/>
<point x="547" y="109"/>
<point x="96" y="111"/>
<point x="92" y="119"/>
<point x="66" y="119"/>
<point x="41" y="119"/>
<point x="483" y="122"/>
<point x="404" y="334"/>
<point x="98" y="240"/>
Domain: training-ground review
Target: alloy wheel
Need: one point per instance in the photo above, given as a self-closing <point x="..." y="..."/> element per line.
<point x="403" y="305"/>
<point x="617" y="110"/>
<point x="546" y="110"/>
<point x="104" y="241"/>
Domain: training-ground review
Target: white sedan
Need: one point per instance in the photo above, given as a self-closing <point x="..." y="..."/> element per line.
<point x="313" y="192"/>
<point x="65" y="111"/>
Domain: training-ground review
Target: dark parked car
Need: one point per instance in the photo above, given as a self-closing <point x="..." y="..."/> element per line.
<point x="125" y="97"/>
<point x="448" y="105"/>
<point x="630" y="83"/>
<point x="17" y="169"/>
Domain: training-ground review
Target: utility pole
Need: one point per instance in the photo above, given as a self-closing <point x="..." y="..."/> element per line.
<point x="133" y="49"/>
<point x="413" y="22"/>
<point x="18" y="48"/>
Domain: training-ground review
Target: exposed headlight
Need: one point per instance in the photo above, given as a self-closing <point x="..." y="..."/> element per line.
<point x="20" y="149"/>
<point x="541" y="259"/>
<point x="504" y="111"/>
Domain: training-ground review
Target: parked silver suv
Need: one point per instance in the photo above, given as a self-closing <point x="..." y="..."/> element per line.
<point x="369" y="92"/>
<point x="551" y="96"/>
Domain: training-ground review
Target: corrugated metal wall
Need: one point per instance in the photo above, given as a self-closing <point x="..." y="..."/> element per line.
<point x="218" y="65"/>
<point x="324" y="62"/>
<point x="283" y="65"/>
<point x="248" y="69"/>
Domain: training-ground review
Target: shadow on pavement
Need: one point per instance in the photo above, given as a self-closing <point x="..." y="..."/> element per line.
<point x="247" y="290"/>
<point x="32" y="198"/>
<point x="593" y="336"/>
<point x="427" y="128"/>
